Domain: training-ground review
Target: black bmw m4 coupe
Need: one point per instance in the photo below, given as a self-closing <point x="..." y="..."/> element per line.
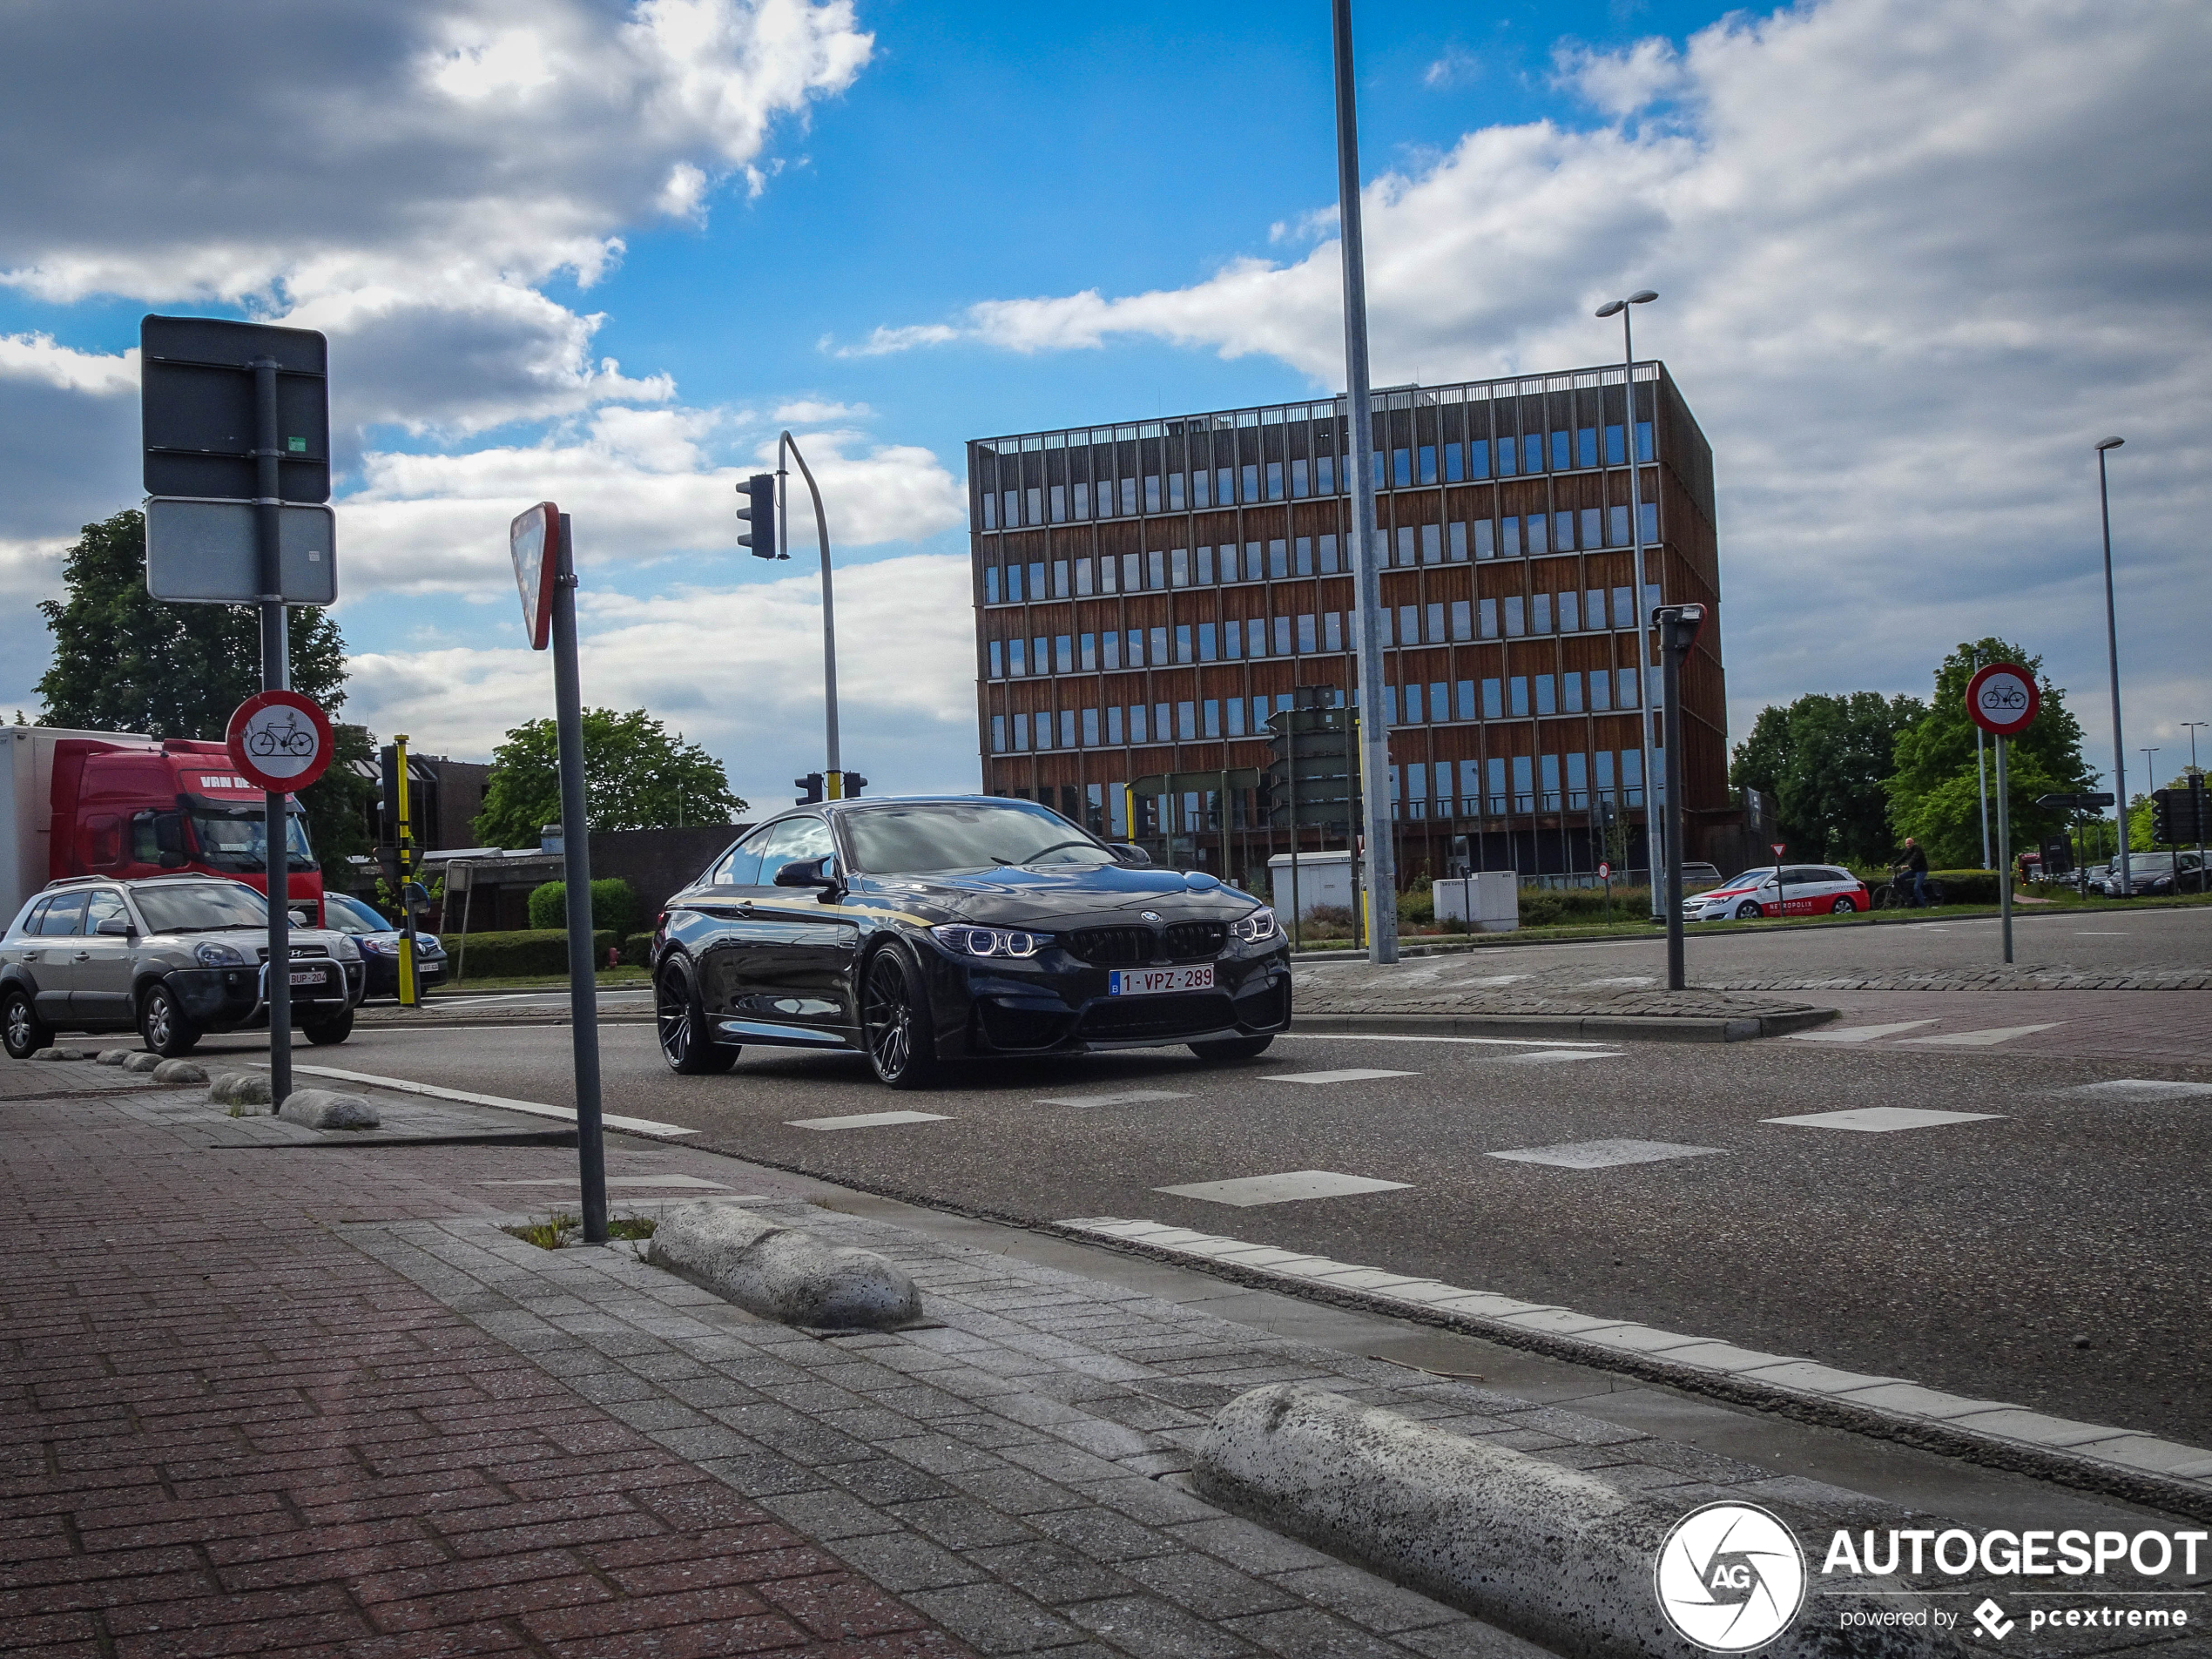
<point x="921" y="930"/>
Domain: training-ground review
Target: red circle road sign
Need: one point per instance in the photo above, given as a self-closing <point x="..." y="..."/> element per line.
<point x="2001" y="699"/>
<point x="280" y="740"/>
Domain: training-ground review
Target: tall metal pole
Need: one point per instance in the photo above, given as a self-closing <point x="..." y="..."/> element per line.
<point x="576" y="858"/>
<point x="2112" y="653"/>
<point x="1982" y="775"/>
<point x="276" y="845"/>
<point x="2004" y="854"/>
<point x="833" y="777"/>
<point x="1670" y="675"/>
<point x="1375" y="749"/>
<point x="2196" y="798"/>
<point x="1653" y="829"/>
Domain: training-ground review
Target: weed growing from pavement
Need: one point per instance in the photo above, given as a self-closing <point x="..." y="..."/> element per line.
<point x="560" y="1229"/>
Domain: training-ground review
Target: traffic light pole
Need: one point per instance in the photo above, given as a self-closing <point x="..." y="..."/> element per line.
<point x="406" y="844"/>
<point x="832" y="776"/>
<point x="1375" y="749"/>
<point x="576" y="858"/>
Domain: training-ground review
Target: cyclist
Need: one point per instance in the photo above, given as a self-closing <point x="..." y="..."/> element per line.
<point x="1913" y="871"/>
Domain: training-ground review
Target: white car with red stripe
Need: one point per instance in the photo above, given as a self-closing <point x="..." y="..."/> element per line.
<point x="1791" y="890"/>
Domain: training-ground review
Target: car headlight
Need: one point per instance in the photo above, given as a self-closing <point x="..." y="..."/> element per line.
<point x="990" y="941"/>
<point x="344" y="949"/>
<point x="212" y="953"/>
<point x="1256" y="926"/>
<point x="371" y="947"/>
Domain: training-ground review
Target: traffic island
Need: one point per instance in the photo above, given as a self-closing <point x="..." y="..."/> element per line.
<point x="782" y="1273"/>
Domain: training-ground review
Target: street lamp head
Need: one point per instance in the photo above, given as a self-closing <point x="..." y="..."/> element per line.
<point x="1612" y="306"/>
<point x="2111" y="443"/>
<point x="1643" y="296"/>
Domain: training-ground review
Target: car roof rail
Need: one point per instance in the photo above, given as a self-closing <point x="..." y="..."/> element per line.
<point x="74" y="881"/>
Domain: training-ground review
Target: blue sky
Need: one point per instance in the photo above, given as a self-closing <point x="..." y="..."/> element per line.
<point x="1910" y="256"/>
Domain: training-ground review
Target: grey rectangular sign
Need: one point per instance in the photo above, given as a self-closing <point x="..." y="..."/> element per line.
<point x="203" y="552"/>
<point x="196" y="392"/>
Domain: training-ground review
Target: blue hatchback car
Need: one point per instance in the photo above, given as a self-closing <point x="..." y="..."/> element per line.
<point x="379" y="946"/>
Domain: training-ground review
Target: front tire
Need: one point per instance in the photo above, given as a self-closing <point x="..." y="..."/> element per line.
<point x="1229" y="1049"/>
<point x="335" y="1029"/>
<point x="895" y="1023"/>
<point x="1748" y="911"/>
<point x="163" y="1025"/>
<point x="22" y="1031"/>
<point x="680" y="1022"/>
<point x="1844" y="907"/>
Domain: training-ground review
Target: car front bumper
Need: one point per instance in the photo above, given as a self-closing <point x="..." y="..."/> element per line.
<point x="229" y="998"/>
<point x="1057" y="1004"/>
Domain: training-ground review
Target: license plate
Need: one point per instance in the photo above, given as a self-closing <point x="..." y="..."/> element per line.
<point x="307" y="976"/>
<point x="1148" y="981"/>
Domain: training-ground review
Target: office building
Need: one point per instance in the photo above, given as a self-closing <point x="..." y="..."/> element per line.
<point x="1147" y="595"/>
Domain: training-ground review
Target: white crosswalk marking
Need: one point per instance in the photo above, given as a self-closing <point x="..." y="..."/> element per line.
<point x="1988" y="1039"/>
<point x="1603" y="1155"/>
<point x="619" y="1181"/>
<point x="1286" y="1187"/>
<point x="1881" y="1120"/>
<point x="868" y="1120"/>
<point x="1855" y="1033"/>
<point x="1554" y="1056"/>
<point x="1356" y="1075"/>
<point x="1127" y="1097"/>
<point x="2142" y="1088"/>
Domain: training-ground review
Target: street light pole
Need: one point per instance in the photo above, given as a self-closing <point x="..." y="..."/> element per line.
<point x="833" y="777"/>
<point x="1374" y="725"/>
<point x="2196" y="791"/>
<point x="1651" y="825"/>
<point x="2112" y="652"/>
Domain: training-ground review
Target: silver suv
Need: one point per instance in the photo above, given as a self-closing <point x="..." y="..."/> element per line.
<point x="172" y="957"/>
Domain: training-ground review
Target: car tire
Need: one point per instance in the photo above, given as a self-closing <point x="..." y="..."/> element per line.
<point x="1748" y="911"/>
<point x="22" y="1032"/>
<point x="163" y="1025"/>
<point x="679" y="1021"/>
<point x="334" y="1030"/>
<point x="1227" y="1049"/>
<point x="1843" y="906"/>
<point x="895" y="1024"/>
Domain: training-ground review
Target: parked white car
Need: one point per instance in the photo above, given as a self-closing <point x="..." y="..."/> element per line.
<point x="1793" y="890"/>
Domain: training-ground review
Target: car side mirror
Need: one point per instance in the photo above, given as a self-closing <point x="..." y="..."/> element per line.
<point x="806" y="873"/>
<point x="114" y="927"/>
<point x="172" y="860"/>
<point x="1128" y="853"/>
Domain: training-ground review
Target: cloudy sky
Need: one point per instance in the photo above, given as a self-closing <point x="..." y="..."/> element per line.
<point x="1915" y="258"/>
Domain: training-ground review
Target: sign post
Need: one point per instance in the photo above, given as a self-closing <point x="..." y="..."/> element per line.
<point x="405" y="833"/>
<point x="545" y="574"/>
<point x="2002" y="700"/>
<point x="1781" y="892"/>
<point x="1677" y="626"/>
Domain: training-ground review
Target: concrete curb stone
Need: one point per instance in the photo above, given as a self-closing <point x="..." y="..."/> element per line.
<point x="180" y="1071"/>
<point x="1589" y="1027"/>
<point x="238" y="1088"/>
<point x="146" y="1060"/>
<point x="326" y="1109"/>
<point x="63" y="1054"/>
<point x="113" y="1056"/>
<point x="780" y="1272"/>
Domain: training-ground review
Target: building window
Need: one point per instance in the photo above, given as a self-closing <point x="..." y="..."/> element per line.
<point x="1302" y="556"/>
<point x="1274" y="481"/>
<point x="1324" y="474"/>
<point x="1586" y="446"/>
<point x="1017" y="657"/>
<point x="1251" y="481"/>
<point x="1207" y="644"/>
<point x="1428" y="459"/>
<point x="1626" y="684"/>
<point x="1213" y="712"/>
<point x="1224" y="486"/>
<point x="1409" y="625"/>
<point x="1570" y="693"/>
<point x="1463" y="700"/>
<point x="1624" y="610"/>
<point x="1439" y="709"/>
<point x="1236" y="717"/>
<point x="1524" y="785"/>
<point x="1082" y="501"/>
<point x="1087" y="653"/>
<point x="1563" y="532"/>
<point x="1650" y="521"/>
<point x="990" y="584"/>
<point x="1132" y="572"/>
<point x="1307" y="642"/>
<point x="1159" y="645"/>
<point x="1593" y="527"/>
<point x="1036" y="504"/>
<point x="1547" y="695"/>
<point x="1282" y="636"/>
<point x="1406" y="544"/>
<point x="1179" y="567"/>
<point x="1433" y="543"/>
<point x="1111" y="656"/>
<point x="1643" y="441"/>
<point x="1156" y="568"/>
<point x="1041" y="655"/>
<point x="1570" y="620"/>
<point x="1328" y="556"/>
<point x="998" y="661"/>
<point x="1067" y="728"/>
<point x="1279" y="560"/>
<point x="1044" y="730"/>
<point x="1059" y="497"/>
<point x="1508" y="457"/>
<point x="1536" y="538"/>
<point x="1401" y="468"/>
<point x="1256" y="636"/>
<point x="1550" y="772"/>
<point x="1531" y="452"/>
<point x="1496" y="768"/>
<point x="1517" y="696"/>
<point x="1462" y="620"/>
<point x="1297" y="479"/>
<point x="1252" y="561"/>
<point x="1493" y="702"/>
<point x="1332" y="631"/>
<point x="1632" y="777"/>
<point x="1137" y="724"/>
<point x="1014" y="585"/>
<point x="1435" y="633"/>
<point x="1615" y="456"/>
<point x="1036" y="581"/>
<point x="1511" y="538"/>
<point x="1479" y="458"/>
<point x="1389" y="705"/>
<point x="1514" y="625"/>
<point x="1151" y="492"/>
<point x="1160" y="722"/>
<point x="1090" y="728"/>
<point x="1182" y="642"/>
<point x="990" y="509"/>
<point x="1021" y="734"/>
<point x="1175" y="492"/>
<point x="998" y="734"/>
<point x="1259" y="715"/>
<point x="1601" y="690"/>
<point x="1561" y="460"/>
<point x="1539" y="614"/>
<point x="1113" y="727"/>
<point x="1486" y="614"/>
<point x="1064" y="654"/>
<point x="1128" y="497"/>
<point x="1456" y="546"/>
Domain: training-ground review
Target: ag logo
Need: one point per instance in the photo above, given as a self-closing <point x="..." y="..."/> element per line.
<point x="1730" y="1577"/>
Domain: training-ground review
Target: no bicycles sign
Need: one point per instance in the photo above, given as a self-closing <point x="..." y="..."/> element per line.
<point x="280" y="740"/>
<point x="2001" y="699"/>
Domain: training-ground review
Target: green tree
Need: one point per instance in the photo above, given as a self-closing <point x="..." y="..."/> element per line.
<point x="1934" y="794"/>
<point x="125" y="661"/>
<point x="637" y="775"/>
<point x="1821" y="760"/>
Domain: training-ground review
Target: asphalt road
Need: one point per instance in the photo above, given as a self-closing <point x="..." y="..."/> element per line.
<point x="2049" y="1253"/>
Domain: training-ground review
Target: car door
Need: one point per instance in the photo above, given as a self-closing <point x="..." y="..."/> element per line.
<point x="60" y="956"/>
<point x="791" y="978"/>
<point x="716" y="925"/>
<point x="101" y="994"/>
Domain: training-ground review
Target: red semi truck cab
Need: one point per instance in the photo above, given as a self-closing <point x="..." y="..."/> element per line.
<point x="112" y="803"/>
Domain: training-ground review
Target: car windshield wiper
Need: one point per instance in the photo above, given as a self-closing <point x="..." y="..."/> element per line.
<point x="1039" y="853"/>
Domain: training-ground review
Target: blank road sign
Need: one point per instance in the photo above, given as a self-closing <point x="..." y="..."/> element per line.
<point x="198" y="413"/>
<point x="203" y="552"/>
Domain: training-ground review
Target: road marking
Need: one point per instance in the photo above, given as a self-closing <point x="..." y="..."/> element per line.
<point x="1127" y="1097"/>
<point x="1357" y="1074"/>
<point x="2084" y="933"/>
<point x="529" y="1107"/>
<point x="2142" y="1088"/>
<point x="1881" y="1120"/>
<point x="618" y="1181"/>
<point x="1286" y="1187"/>
<point x="1556" y="1056"/>
<point x="1401" y="1036"/>
<point x="379" y="1028"/>
<point x="867" y="1120"/>
<point x="1635" y="979"/>
<point x="1855" y="1033"/>
<point x="1603" y="1155"/>
<point x="1988" y="1039"/>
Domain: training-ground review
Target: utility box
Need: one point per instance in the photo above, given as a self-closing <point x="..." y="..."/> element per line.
<point x="1494" y="896"/>
<point x="1324" y="881"/>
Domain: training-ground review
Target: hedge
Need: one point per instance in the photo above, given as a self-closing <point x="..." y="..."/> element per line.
<point x="1966" y="887"/>
<point x="637" y="950"/>
<point x="613" y="906"/>
<point x="529" y="954"/>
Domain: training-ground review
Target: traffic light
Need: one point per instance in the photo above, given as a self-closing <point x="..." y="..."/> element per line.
<point x="759" y="515"/>
<point x="810" y="788"/>
<point x="2161" y="816"/>
<point x="388" y="809"/>
<point x="2177" y="815"/>
<point x="1317" y="747"/>
<point x="853" y="784"/>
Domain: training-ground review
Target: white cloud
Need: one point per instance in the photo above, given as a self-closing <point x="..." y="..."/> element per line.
<point x="1457" y="67"/>
<point x="737" y="669"/>
<point x="883" y="341"/>
<point x="811" y="412"/>
<point x="35" y="357"/>
<point x="1914" y="259"/>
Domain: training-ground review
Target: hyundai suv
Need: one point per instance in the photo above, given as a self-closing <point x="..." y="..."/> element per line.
<point x="172" y="957"/>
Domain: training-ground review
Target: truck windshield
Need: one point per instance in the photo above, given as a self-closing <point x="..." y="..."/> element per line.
<point x="237" y="841"/>
<point x="200" y="907"/>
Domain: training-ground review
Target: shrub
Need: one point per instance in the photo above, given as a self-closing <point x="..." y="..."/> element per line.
<point x="637" y="950"/>
<point x="1417" y="907"/>
<point x="613" y="906"/>
<point x="537" y="952"/>
<point x="1966" y="887"/>
<point x="1558" y="907"/>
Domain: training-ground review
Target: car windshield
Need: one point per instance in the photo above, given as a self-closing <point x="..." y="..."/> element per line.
<point x="352" y="916"/>
<point x="1749" y="878"/>
<point x="237" y="839"/>
<point x="200" y="907"/>
<point x="898" y="841"/>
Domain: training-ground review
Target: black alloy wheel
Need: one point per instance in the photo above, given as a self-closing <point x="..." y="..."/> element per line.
<point x="681" y="1023"/>
<point x="895" y="1024"/>
<point x="23" y="1032"/>
<point x="1231" y="1049"/>
<point x="163" y="1025"/>
<point x="1843" y="906"/>
<point x="1748" y="911"/>
<point x="334" y="1030"/>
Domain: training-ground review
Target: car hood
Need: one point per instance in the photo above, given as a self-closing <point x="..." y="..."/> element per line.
<point x="1049" y="899"/>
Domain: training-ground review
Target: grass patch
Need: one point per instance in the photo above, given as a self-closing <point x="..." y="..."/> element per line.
<point x="560" y="1229"/>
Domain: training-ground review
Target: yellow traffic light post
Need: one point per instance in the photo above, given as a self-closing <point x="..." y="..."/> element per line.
<point x="407" y="874"/>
